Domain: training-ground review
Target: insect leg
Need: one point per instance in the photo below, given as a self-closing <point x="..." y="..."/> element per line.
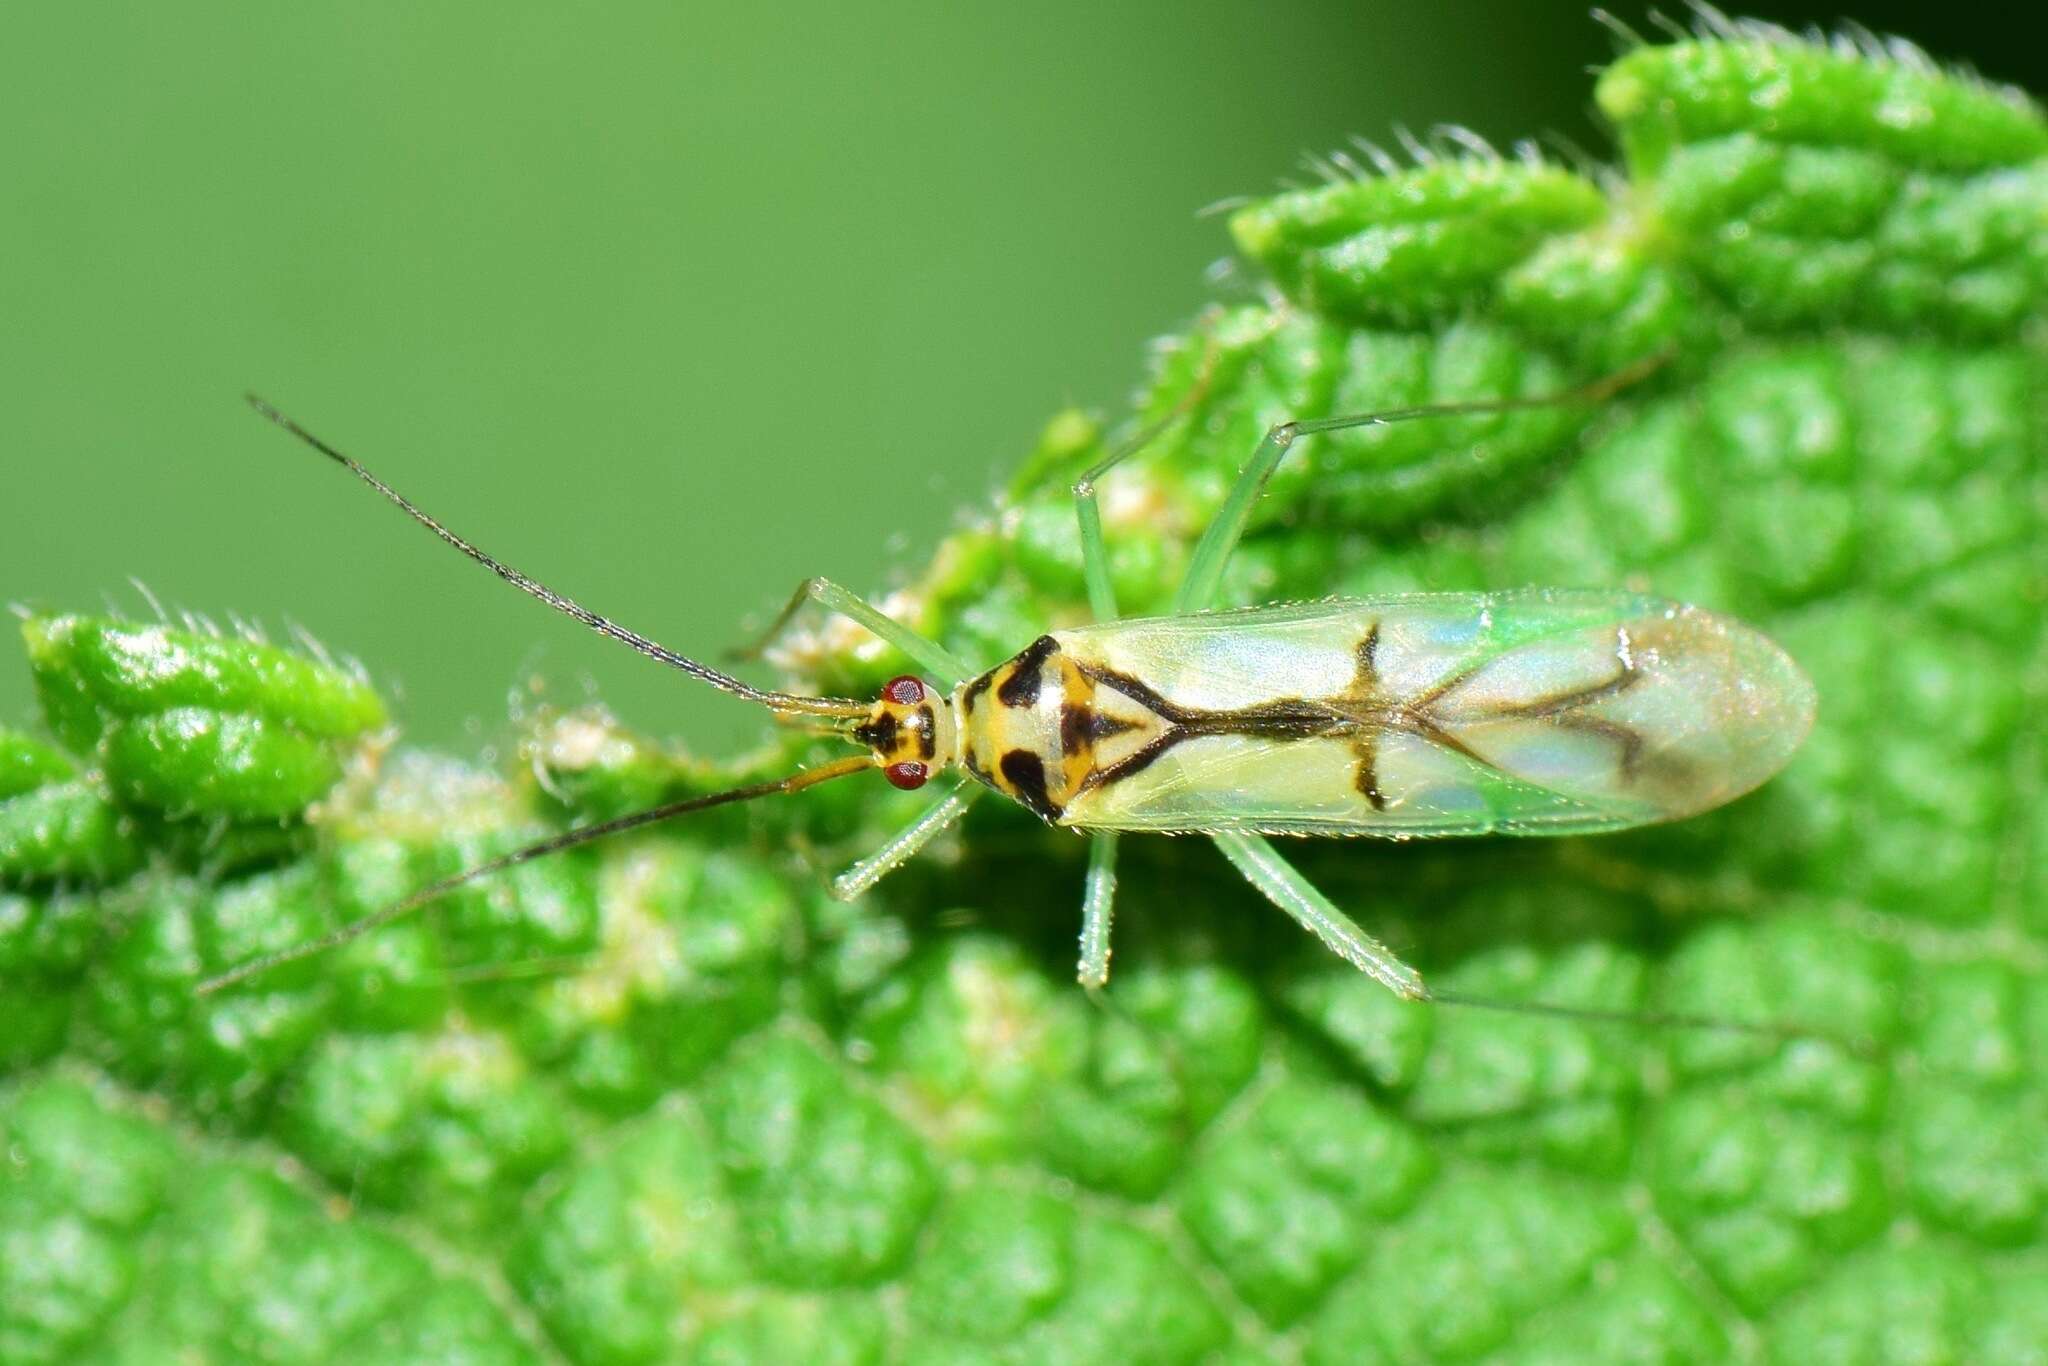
<point x="1094" y="547"/>
<point x="1094" y="553"/>
<point x="905" y="843"/>
<point x="1212" y="552"/>
<point x="1220" y="538"/>
<point x="929" y="654"/>
<point x="1263" y="867"/>
<point x="1097" y="901"/>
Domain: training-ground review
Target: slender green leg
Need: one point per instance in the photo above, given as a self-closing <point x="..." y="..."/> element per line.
<point x="1096" y="904"/>
<point x="1212" y="552"/>
<point x="1094" y="553"/>
<point x="1274" y="876"/>
<point x="929" y="654"/>
<point x="1094" y="548"/>
<point x="905" y="843"/>
<point x="1098" y="897"/>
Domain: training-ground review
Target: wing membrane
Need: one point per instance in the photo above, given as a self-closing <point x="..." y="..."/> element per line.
<point x="1540" y="712"/>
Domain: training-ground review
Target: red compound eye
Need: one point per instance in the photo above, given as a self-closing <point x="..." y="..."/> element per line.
<point x="908" y="775"/>
<point x="904" y="690"/>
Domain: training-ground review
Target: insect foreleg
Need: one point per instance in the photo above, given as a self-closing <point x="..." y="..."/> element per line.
<point x="931" y="656"/>
<point x="1098" y="899"/>
<point x="1205" y="567"/>
<point x="1274" y="876"/>
<point x="905" y="843"/>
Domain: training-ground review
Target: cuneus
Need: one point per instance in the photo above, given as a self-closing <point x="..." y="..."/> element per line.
<point x="1540" y="712"/>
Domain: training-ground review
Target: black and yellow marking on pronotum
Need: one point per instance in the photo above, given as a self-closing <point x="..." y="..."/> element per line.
<point x="1024" y="676"/>
<point x="1044" y="767"/>
<point x="1007" y="743"/>
<point x="1035" y="728"/>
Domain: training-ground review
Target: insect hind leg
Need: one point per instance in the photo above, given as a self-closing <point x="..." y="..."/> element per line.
<point x="1277" y="880"/>
<point x="1219" y="540"/>
<point x="948" y="668"/>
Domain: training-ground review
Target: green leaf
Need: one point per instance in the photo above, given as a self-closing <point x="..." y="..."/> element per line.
<point x="199" y="726"/>
<point x="124" y="1237"/>
<point x="661" y="1100"/>
<point x="61" y="829"/>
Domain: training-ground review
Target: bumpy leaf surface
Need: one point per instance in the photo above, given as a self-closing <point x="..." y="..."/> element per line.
<point x="663" y="1101"/>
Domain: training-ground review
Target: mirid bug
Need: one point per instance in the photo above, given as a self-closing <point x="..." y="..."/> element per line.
<point x="1423" y="715"/>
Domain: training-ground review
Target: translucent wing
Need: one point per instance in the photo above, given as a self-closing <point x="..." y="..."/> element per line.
<point x="1442" y="714"/>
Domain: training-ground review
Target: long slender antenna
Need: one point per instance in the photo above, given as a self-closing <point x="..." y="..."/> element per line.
<point x="1651" y="1019"/>
<point x="780" y="701"/>
<point x="795" y="782"/>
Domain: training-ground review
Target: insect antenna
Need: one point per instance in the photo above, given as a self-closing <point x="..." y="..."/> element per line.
<point x="523" y="969"/>
<point x="568" y="839"/>
<point x="604" y="626"/>
<point x="1653" y="1019"/>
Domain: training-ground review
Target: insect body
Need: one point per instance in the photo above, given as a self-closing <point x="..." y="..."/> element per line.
<point x="1532" y="712"/>
<point x="1539" y="712"/>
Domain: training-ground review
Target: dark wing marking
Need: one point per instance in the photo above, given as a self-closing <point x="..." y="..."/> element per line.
<point x="1367" y="748"/>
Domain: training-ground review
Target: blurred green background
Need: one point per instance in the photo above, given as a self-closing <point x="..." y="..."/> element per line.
<point x="669" y="305"/>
